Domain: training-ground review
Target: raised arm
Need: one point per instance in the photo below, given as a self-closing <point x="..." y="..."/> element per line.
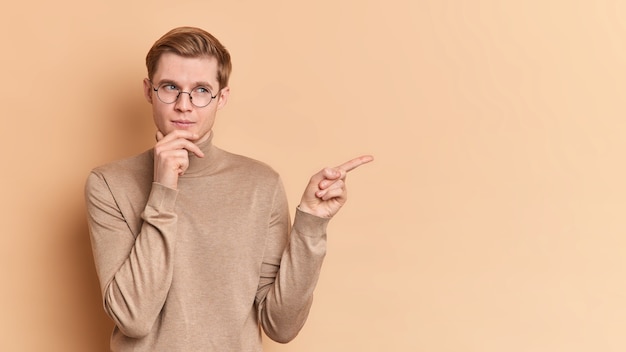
<point x="133" y="240"/>
<point x="286" y="290"/>
<point x="135" y="269"/>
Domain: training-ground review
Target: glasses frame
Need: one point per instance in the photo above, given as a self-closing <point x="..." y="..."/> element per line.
<point x="180" y="91"/>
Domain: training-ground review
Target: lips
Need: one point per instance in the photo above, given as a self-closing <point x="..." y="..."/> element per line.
<point x="183" y="123"/>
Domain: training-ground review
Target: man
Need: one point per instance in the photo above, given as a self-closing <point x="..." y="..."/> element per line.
<point x="193" y="245"/>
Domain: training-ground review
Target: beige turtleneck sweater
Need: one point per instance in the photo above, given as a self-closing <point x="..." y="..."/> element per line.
<point x="202" y="267"/>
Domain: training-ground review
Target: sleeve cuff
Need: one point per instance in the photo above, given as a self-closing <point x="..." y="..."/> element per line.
<point x="309" y="225"/>
<point x="162" y="197"/>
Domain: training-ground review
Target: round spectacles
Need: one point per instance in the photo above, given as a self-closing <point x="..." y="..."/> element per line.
<point x="200" y="96"/>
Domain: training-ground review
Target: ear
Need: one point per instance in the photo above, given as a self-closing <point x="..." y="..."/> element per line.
<point x="222" y="97"/>
<point x="147" y="90"/>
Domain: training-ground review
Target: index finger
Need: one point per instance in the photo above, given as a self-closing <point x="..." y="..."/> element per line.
<point x="356" y="162"/>
<point x="184" y="134"/>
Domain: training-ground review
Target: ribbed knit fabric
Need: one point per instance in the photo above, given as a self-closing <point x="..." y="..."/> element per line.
<point x="202" y="267"/>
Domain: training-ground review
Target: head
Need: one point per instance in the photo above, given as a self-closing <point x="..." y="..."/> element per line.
<point x="191" y="42"/>
<point x="186" y="59"/>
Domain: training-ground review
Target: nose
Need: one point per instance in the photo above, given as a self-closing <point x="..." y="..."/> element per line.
<point x="183" y="103"/>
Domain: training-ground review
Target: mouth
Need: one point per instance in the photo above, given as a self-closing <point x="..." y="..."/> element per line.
<point x="182" y="123"/>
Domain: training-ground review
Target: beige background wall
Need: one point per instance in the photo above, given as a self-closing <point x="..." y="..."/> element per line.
<point x="491" y="220"/>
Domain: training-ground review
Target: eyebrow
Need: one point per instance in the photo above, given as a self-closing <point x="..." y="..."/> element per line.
<point x="197" y="83"/>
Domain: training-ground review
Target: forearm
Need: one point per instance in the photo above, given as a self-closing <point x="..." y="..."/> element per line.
<point x="138" y="290"/>
<point x="135" y="271"/>
<point x="289" y="298"/>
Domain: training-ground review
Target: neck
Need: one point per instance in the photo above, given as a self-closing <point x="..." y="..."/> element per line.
<point x="204" y="138"/>
<point x="197" y="165"/>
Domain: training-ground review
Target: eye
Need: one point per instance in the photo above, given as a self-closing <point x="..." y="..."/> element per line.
<point x="169" y="87"/>
<point x="202" y="90"/>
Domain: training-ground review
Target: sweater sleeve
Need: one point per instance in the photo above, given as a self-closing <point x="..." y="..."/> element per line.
<point x="135" y="272"/>
<point x="286" y="288"/>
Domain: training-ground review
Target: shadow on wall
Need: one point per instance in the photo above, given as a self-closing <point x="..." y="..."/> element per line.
<point x="69" y="299"/>
<point x="122" y="127"/>
<point x="93" y="323"/>
<point x="125" y="124"/>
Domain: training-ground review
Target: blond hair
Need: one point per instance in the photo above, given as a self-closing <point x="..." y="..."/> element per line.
<point x="191" y="42"/>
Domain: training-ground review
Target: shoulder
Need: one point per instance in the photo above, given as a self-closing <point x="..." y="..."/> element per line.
<point x="244" y="165"/>
<point x="130" y="165"/>
<point x="125" y="172"/>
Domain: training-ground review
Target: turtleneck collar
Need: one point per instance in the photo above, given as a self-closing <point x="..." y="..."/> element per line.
<point x="202" y="166"/>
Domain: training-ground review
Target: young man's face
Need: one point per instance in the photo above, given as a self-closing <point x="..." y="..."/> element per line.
<point x="185" y="74"/>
